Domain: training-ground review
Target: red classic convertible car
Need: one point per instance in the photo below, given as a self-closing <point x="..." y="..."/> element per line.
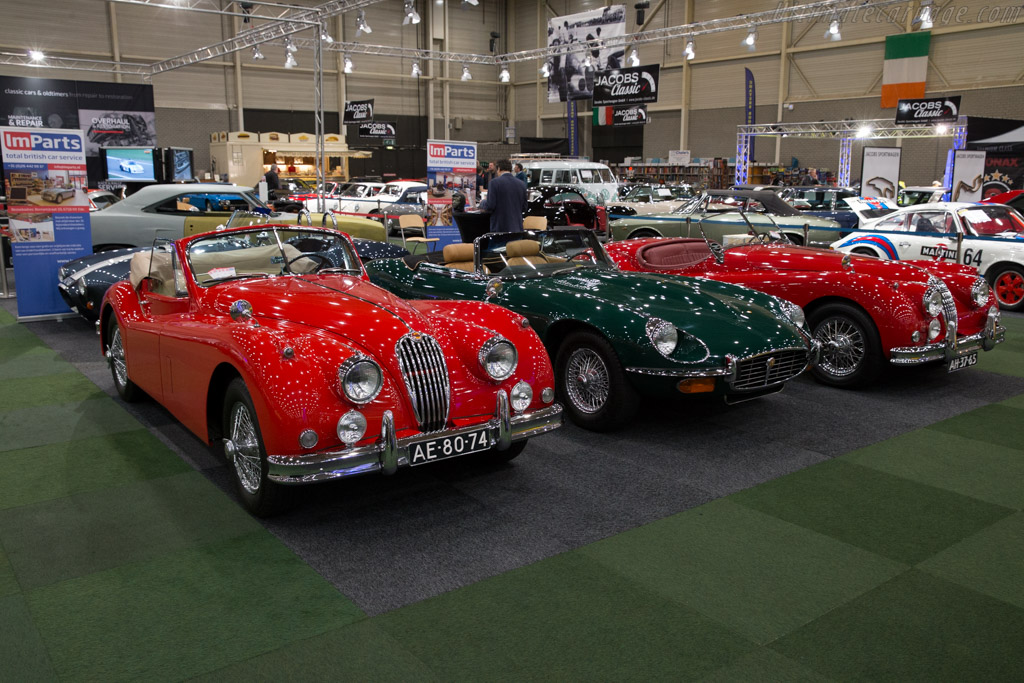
<point x="864" y="311"/>
<point x="271" y="340"/>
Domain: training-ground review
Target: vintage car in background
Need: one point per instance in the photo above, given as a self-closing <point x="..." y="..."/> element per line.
<point x="616" y="335"/>
<point x="270" y="340"/>
<point x="648" y="199"/>
<point x="864" y="312"/>
<point x="723" y="212"/>
<point x="101" y="199"/>
<point x="176" y="210"/>
<point x="1013" y="199"/>
<point x="987" y="237"/>
<point x="914" y="194"/>
<point x="58" y="195"/>
<point x="346" y="192"/>
<point x="825" y="201"/>
<point x="397" y="192"/>
<point x="566" y="206"/>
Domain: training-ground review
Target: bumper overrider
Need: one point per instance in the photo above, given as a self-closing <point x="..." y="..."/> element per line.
<point x="952" y="346"/>
<point x="389" y="452"/>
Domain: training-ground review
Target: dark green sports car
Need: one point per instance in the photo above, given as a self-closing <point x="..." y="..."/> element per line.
<point x="614" y="335"/>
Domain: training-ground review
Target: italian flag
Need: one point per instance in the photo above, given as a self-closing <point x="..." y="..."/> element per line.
<point x="603" y="116"/>
<point x="905" y="68"/>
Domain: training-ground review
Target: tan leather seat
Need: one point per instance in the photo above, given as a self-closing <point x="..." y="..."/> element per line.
<point x="459" y="256"/>
<point x="527" y="253"/>
<point x="535" y="223"/>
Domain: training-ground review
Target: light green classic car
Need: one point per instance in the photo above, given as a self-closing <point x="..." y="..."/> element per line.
<point x="729" y="212"/>
<point x="615" y="335"/>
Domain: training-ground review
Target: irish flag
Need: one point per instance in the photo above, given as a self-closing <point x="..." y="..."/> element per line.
<point x="905" y="68"/>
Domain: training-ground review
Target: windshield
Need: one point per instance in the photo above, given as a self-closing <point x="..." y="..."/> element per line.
<point x="538" y="254"/>
<point x="993" y="220"/>
<point x="392" y="190"/>
<point x="269" y="251"/>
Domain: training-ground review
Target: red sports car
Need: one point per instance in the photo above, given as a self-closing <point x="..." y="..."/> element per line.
<point x="864" y="311"/>
<point x="271" y="340"/>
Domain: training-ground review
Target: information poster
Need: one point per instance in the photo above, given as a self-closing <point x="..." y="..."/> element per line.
<point x="968" y="175"/>
<point x="45" y="181"/>
<point x="451" y="168"/>
<point x="880" y="172"/>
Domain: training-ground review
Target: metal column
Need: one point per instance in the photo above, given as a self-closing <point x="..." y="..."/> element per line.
<point x="742" y="158"/>
<point x="318" y="114"/>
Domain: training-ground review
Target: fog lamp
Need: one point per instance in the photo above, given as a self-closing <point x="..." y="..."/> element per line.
<point x="934" y="329"/>
<point x="521" y="397"/>
<point x="308" y="438"/>
<point x="351" y="427"/>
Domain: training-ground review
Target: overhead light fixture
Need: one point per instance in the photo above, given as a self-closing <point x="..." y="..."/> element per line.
<point x="361" y="25"/>
<point x="942" y="129"/>
<point x="751" y="40"/>
<point x="289" y="61"/>
<point x="494" y="40"/>
<point x="474" y="3"/>
<point x="634" y="57"/>
<point x="289" y="45"/>
<point x="689" y="51"/>
<point x="587" y="60"/>
<point x="256" y="54"/>
<point x="416" y="68"/>
<point x="466" y="76"/>
<point x="325" y="36"/>
<point x="545" y="70"/>
<point x="924" y="17"/>
<point x="347" y="68"/>
<point x="864" y="131"/>
<point x="36" y="55"/>
<point x="439" y="3"/>
<point x="833" y="30"/>
<point x="504" y="76"/>
<point x="411" y="16"/>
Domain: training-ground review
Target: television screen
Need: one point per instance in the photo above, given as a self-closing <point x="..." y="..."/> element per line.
<point x="130" y="163"/>
<point x="181" y="164"/>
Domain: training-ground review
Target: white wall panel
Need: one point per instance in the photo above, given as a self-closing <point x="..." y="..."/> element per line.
<point x="840" y="72"/>
<point x="161" y="33"/>
<point x="200" y="87"/>
<point x="722" y="84"/>
<point x="79" y="25"/>
<point x="964" y="59"/>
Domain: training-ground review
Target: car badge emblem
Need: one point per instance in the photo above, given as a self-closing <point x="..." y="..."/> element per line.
<point x="416" y="336"/>
<point x="771" y="362"/>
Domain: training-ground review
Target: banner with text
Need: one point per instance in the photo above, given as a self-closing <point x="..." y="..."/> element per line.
<point x="451" y="168"/>
<point x="630" y="85"/>
<point x="378" y="129"/>
<point x="880" y="172"/>
<point x="45" y="177"/>
<point x="358" y="111"/>
<point x="928" y="110"/>
<point x="621" y="116"/>
<point x="968" y="175"/>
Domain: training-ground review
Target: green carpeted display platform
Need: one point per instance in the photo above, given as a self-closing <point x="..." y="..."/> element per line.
<point x="903" y="560"/>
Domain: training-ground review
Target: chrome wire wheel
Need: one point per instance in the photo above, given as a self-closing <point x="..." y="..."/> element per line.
<point x="843" y="347"/>
<point x="587" y="381"/>
<point x="246" y="448"/>
<point x="117" y="364"/>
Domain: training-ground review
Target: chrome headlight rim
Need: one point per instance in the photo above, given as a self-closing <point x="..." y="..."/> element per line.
<point x="353" y="425"/>
<point x="521" y="396"/>
<point x="932" y="302"/>
<point x="980" y="292"/>
<point x="934" y="329"/>
<point x="663" y="335"/>
<point x="794" y="312"/>
<point x="355" y="362"/>
<point x="494" y="345"/>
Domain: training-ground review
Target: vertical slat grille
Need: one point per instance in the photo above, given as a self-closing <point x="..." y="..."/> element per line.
<point x="426" y="378"/>
<point x="769" y="368"/>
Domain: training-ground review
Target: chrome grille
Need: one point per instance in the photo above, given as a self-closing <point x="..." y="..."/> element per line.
<point x="769" y="368"/>
<point x="948" y="306"/>
<point x="426" y="378"/>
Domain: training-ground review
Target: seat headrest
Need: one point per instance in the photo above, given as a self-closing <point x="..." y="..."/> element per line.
<point x="461" y="251"/>
<point x="522" y="248"/>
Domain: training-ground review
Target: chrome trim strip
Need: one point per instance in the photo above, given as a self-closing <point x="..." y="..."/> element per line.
<point x="666" y="372"/>
<point x="915" y="355"/>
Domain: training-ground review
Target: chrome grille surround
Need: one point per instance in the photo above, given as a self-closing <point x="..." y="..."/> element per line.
<point x="425" y="373"/>
<point x="948" y="307"/>
<point x="769" y="368"/>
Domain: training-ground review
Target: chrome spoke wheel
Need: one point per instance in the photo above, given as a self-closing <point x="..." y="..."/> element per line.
<point x="587" y="382"/>
<point x="116" y="354"/>
<point x="246" y="448"/>
<point x="843" y="347"/>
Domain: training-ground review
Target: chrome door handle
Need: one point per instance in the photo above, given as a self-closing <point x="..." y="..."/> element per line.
<point x="904" y="244"/>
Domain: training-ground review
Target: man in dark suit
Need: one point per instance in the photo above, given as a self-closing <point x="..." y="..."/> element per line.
<point x="506" y="200"/>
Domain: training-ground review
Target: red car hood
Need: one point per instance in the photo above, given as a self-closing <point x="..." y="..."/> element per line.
<point x="784" y="257"/>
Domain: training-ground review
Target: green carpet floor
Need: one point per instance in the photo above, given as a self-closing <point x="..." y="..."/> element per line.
<point x="900" y="561"/>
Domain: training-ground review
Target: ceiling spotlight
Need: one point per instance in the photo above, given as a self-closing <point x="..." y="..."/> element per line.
<point x="289" y="61"/>
<point x="504" y="76"/>
<point x="751" y="39"/>
<point x="634" y="57"/>
<point x="466" y="76"/>
<point x="474" y="3"/>
<point x="864" y="132"/>
<point x="545" y="70"/>
<point x="256" y="54"/>
<point x="411" y="16"/>
<point x="689" y="51"/>
<point x="942" y="129"/>
<point x="36" y="55"/>
<point x="439" y="2"/>
<point x="361" y="25"/>
<point x="347" y="68"/>
<point x="587" y="60"/>
<point x="924" y="17"/>
<point x="833" y="30"/>
<point x="415" y="68"/>
<point x="289" y="45"/>
<point x="494" y="40"/>
<point x="325" y="36"/>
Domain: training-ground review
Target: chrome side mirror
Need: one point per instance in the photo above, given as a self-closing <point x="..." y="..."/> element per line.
<point x="240" y="310"/>
<point x="494" y="287"/>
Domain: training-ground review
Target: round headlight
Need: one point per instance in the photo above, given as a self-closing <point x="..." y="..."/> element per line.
<point x="663" y="335"/>
<point x="934" y="329"/>
<point x="933" y="302"/>
<point x="980" y="292"/>
<point x="794" y="313"/>
<point x="360" y="378"/>
<point x="498" y="358"/>
<point x="522" y="395"/>
<point x="351" y="427"/>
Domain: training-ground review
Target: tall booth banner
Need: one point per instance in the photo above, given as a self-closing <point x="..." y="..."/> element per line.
<point x="357" y="111"/>
<point x="749" y="107"/>
<point x="968" y="175"/>
<point x="572" y="128"/>
<point x="880" y="171"/>
<point x="45" y="180"/>
<point x="451" y="167"/>
<point x="631" y="85"/>
<point x="572" y="78"/>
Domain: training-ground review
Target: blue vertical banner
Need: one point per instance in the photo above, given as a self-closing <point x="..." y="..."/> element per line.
<point x="45" y="181"/>
<point x="572" y="128"/>
<point x="451" y="167"/>
<point x="750" y="108"/>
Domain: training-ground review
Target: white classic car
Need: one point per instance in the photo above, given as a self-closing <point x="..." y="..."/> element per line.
<point x="344" y="192"/>
<point x="989" y="237"/>
<point x="398" y="192"/>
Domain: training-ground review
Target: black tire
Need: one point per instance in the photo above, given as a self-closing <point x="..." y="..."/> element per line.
<point x="1008" y="284"/>
<point x="126" y="389"/>
<point x="511" y="453"/>
<point x="864" y="251"/>
<point x="643" y="234"/>
<point x="851" y="353"/>
<point x="588" y="404"/>
<point x="241" y="430"/>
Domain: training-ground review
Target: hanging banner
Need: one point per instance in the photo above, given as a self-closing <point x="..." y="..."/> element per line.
<point x="48" y="210"/>
<point x="928" y="110"/>
<point x="358" y="111"/>
<point x="572" y="72"/>
<point x="572" y="128"/>
<point x="378" y="129"/>
<point x="630" y="85"/>
<point x="750" y="108"/>
<point x="451" y="167"/>
<point x="621" y="116"/>
<point x="968" y="176"/>
<point x="880" y="172"/>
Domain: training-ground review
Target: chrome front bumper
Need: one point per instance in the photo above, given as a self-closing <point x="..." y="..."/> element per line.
<point x="389" y="453"/>
<point x="945" y="351"/>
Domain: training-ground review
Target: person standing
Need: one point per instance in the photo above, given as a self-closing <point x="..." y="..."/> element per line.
<point x="520" y="173"/>
<point x="506" y="200"/>
<point x="273" y="181"/>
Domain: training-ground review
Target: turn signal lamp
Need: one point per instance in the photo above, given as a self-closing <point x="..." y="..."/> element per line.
<point x="700" y="385"/>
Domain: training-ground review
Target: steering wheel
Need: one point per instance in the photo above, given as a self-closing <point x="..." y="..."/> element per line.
<point x="323" y="261"/>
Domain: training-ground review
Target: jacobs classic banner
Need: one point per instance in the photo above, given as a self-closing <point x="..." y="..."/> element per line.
<point x="357" y="111"/>
<point x="631" y="85"/>
<point x="880" y="171"/>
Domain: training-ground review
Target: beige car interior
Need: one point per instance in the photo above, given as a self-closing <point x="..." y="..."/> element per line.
<point x="459" y="256"/>
<point x="535" y="223"/>
<point x="527" y="253"/>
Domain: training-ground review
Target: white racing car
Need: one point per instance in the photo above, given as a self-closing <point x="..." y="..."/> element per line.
<point x="397" y="192"/>
<point x="989" y="237"/>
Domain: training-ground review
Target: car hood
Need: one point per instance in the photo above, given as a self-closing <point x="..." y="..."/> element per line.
<point x="788" y="257"/>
